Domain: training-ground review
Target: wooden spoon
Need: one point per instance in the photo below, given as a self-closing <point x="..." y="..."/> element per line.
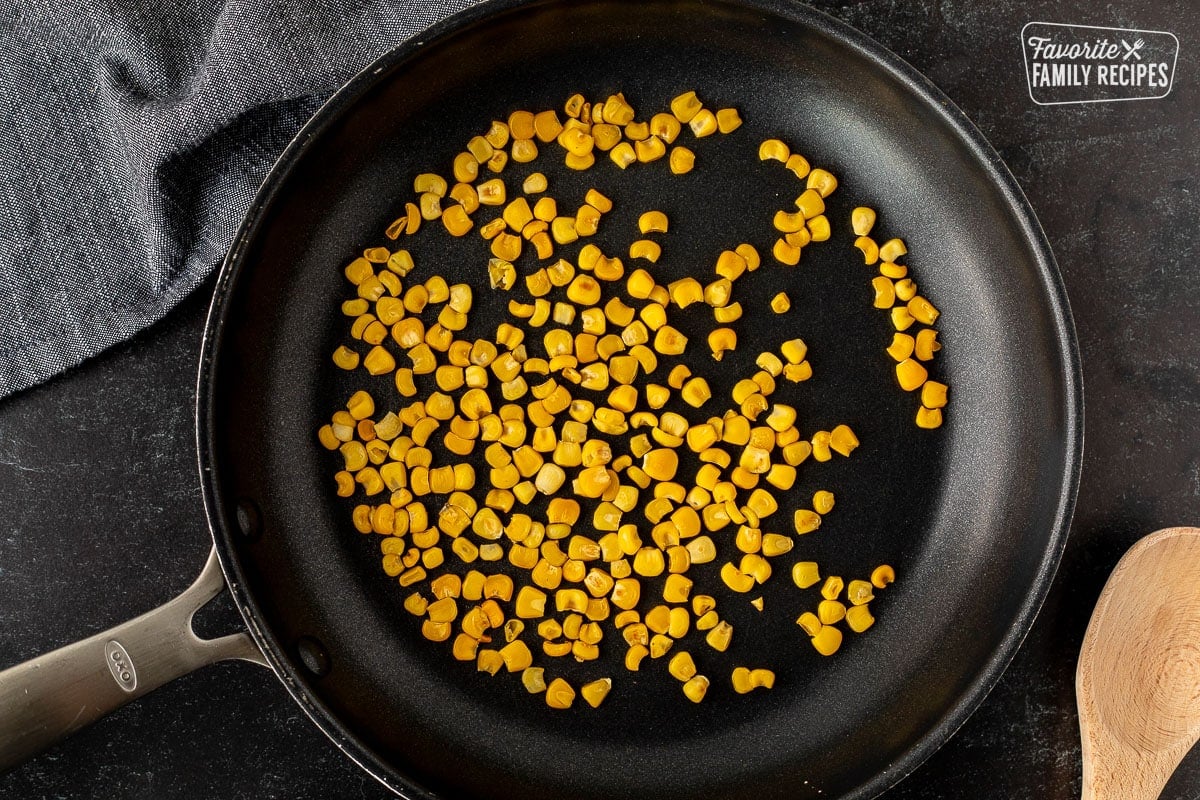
<point x="1138" y="682"/>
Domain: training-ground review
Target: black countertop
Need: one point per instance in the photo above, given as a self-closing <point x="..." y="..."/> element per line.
<point x="101" y="518"/>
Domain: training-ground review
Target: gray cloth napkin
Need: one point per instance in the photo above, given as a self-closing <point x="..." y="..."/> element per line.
<point x="133" y="136"/>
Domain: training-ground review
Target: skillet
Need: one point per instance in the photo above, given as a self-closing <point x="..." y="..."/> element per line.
<point x="973" y="516"/>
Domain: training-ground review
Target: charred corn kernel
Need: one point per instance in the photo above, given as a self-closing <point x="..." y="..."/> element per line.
<point x="735" y="579"/>
<point x="827" y="640"/>
<point x="773" y="150"/>
<point x="929" y="418"/>
<point x="695" y="392"/>
<point x="559" y="694"/>
<point x="911" y="374"/>
<point x="922" y="310"/>
<point x="869" y="249"/>
<point x="806" y="521"/>
<point x="892" y="249"/>
<point x="786" y="253"/>
<point x="798" y="165"/>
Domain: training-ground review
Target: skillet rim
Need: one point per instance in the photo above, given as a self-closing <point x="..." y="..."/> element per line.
<point x="956" y="715"/>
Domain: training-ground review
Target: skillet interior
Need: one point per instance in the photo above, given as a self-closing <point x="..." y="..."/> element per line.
<point x="973" y="516"/>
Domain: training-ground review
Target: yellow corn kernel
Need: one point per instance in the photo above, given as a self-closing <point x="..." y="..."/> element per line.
<point x="885" y="292"/>
<point x="842" y="440"/>
<point x="686" y="106"/>
<point x="892" y="249"/>
<point x="806" y="521"/>
<point x="653" y="222"/>
<point x="647" y="249"/>
<point x="809" y="623"/>
<point x="559" y="694"/>
<point x="922" y="310"/>
<point x="862" y="219"/>
<point x="827" y="640"/>
<point x="823" y="502"/>
<point x="531" y="603"/>
<point x="824" y="182"/>
<point x="901" y="347"/>
<point x="929" y="418"/>
<point x="681" y="666"/>
<point x="623" y="154"/>
<point x="773" y="149"/>
<point x="901" y="319"/>
<point x="818" y="228"/>
<point x="719" y="637"/>
<point x="926" y="344"/>
<point x="649" y="562"/>
<point x="650" y="149"/>
<point x="720" y="341"/>
<point x="805" y="574"/>
<point x="660" y="645"/>
<point x="774" y="544"/>
<point x="696" y="688"/>
<point x="786" y="253"/>
<point x="869" y="249"/>
<point x="735" y="579"/>
<point x="933" y="394"/>
<point x="677" y="588"/>
<point x="682" y="160"/>
<point x="911" y="374"/>
<point x="830" y="612"/>
<point x="695" y="392"/>
<point x="704" y="123"/>
<point x="859" y="619"/>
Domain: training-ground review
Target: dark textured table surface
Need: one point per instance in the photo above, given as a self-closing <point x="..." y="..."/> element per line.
<point x="101" y="518"/>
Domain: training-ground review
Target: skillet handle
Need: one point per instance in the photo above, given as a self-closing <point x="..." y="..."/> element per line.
<point x="50" y="697"/>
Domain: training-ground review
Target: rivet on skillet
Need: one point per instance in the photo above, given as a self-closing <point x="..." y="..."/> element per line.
<point x="313" y="656"/>
<point x="249" y="519"/>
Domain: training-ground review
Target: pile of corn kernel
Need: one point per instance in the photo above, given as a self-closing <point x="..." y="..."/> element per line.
<point x="896" y="293"/>
<point x="599" y="500"/>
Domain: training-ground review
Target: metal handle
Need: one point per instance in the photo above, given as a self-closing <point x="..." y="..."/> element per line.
<point x="50" y="697"/>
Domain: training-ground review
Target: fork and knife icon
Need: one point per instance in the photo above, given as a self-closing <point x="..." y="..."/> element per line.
<point x="1132" y="49"/>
